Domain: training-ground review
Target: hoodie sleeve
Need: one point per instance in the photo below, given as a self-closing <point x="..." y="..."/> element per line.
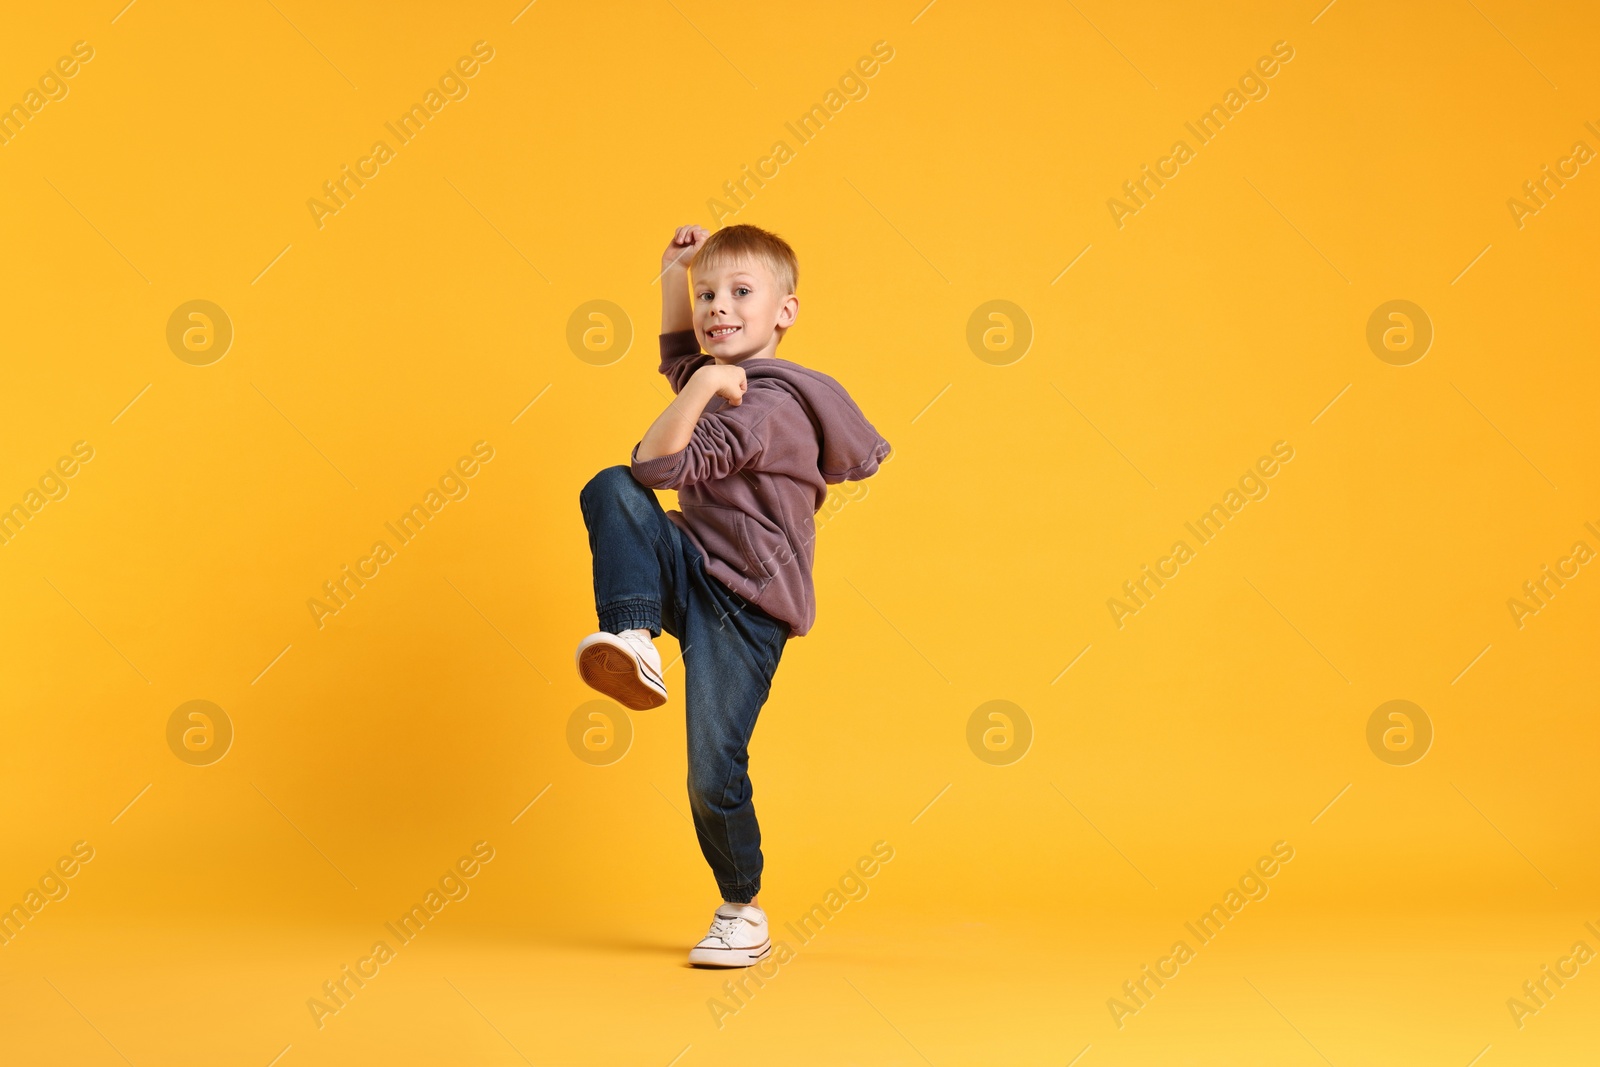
<point x="724" y="441"/>
<point x="681" y="357"/>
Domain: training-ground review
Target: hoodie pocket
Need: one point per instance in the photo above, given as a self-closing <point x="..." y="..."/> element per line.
<point x="766" y="549"/>
<point x="739" y="541"/>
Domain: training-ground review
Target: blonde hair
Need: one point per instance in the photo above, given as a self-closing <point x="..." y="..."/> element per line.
<point x="743" y="241"/>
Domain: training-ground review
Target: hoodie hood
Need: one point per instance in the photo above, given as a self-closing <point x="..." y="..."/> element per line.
<point x="849" y="448"/>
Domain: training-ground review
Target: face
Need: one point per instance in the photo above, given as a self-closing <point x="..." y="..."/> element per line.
<point x="738" y="312"/>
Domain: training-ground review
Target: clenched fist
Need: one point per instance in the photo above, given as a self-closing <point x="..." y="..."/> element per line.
<point x="684" y="244"/>
<point x="725" y="380"/>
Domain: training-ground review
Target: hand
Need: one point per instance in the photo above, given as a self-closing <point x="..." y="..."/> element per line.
<point x="683" y="246"/>
<point x="726" y="380"/>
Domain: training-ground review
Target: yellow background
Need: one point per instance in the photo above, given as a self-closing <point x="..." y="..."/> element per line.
<point x="432" y="310"/>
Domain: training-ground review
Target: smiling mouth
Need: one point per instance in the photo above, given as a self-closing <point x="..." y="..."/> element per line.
<point x="717" y="333"/>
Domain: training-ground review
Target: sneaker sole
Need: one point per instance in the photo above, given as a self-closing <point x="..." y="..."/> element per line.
<point x="615" y="673"/>
<point x="722" y="957"/>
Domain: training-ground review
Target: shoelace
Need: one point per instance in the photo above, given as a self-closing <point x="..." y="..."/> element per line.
<point x="723" y="928"/>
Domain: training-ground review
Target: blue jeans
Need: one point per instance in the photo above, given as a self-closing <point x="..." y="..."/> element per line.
<point x="649" y="575"/>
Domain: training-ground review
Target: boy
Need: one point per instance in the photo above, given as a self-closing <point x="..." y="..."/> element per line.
<point x="751" y="444"/>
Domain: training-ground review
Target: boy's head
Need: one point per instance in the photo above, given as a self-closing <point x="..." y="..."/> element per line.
<point x="741" y="285"/>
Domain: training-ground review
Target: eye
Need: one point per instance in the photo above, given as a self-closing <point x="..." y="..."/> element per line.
<point x="742" y="289"/>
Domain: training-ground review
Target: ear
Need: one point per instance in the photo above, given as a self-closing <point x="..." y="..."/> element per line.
<point x="788" y="311"/>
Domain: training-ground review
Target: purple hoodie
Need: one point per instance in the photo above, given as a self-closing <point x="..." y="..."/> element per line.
<point x="752" y="477"/>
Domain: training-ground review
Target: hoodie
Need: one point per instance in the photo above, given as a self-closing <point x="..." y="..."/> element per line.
<point x="753" y="476"/>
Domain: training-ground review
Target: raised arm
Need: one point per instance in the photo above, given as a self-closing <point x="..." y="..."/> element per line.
<point x="680" y="348"/>
<point x="675" y="310"/>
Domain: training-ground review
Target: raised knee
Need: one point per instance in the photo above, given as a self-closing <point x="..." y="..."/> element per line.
<point x="610" y="481"/>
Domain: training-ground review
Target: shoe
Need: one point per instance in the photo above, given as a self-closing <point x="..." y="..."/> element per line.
<point x="625" y="667"/>
<point x="738" y="938"/>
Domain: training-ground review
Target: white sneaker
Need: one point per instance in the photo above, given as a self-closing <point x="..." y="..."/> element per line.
<point x="625" y="667"/>
<point x="738" y="938"/>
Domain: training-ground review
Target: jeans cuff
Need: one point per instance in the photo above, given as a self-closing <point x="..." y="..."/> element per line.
<point x="633" y="613"/>
<point x="740" y="894"/>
